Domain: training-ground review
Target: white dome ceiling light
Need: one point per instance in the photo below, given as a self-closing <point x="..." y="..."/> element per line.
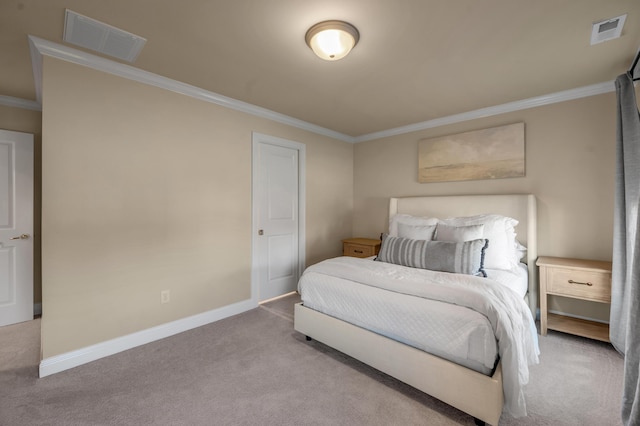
<point x="332" y="40"/>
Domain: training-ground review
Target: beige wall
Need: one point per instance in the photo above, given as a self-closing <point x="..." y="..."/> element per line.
<point x="27" y="121"/>
<point x="570" y="166"/>
<point x="144" y="190"/>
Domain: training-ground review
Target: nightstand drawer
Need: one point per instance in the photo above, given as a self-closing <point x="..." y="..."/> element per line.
<point x="358" y="250"/>
<point x="360" y="247"/>
<point x="587" y="285"/>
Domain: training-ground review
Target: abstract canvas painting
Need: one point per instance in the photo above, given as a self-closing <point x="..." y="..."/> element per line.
<point x="493" y="153"/>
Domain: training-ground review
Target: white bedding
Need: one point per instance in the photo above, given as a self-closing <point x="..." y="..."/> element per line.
<point x="517" y="279"/>
<point x="479" y="314"/>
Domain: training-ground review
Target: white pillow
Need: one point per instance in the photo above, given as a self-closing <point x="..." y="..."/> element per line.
<point x="459" y="234"/>
<point x="521" y="252"/>
<point x="409" y="220"/>
<point x="416" y="232"/>
<point x="499" y="230"/>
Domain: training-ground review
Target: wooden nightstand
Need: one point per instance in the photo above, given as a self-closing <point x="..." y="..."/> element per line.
<point x="579" y="279"/>
<point x="360" y="247"/>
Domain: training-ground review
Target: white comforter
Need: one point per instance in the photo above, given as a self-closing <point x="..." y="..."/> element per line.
<point x="505" y="310"/>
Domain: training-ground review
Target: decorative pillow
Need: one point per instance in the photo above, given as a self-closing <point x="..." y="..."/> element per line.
<point x="409" y="220"/>
<point x="459" y="233"/>
<point x="500" y="232"/>
<point x="446" y="256"/>
<point x="416" y="232"/>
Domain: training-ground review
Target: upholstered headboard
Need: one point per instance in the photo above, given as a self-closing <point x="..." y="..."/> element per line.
<point x="519" y="207"/>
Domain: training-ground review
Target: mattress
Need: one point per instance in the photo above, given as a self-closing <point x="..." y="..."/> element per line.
<point x="469" y="320"/>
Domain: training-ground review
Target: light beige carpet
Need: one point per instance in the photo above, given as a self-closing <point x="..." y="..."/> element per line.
<point x="255" y="369"/>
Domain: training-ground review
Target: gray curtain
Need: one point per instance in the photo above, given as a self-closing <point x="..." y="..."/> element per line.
<point x="625" y="288"/>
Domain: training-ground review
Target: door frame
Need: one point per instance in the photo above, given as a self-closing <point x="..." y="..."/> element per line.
<point x="262" y="139"/>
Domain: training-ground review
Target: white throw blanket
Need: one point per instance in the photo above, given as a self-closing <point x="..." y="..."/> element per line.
<point x="507" y="313"/>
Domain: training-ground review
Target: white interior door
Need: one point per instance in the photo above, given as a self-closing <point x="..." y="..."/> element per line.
<point x="277" y="260"/>
<point x="16" y="227"/>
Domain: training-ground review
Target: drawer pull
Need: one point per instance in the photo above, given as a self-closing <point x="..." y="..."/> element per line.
<point x="578" y="282"/>
<point x="358" y="251"/>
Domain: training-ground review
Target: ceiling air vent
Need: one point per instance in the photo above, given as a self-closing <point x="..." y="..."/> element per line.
<point x="100" y="37"/>
<point x="607" y="29"/>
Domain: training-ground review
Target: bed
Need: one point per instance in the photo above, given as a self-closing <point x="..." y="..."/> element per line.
<point x="475" y="386"/>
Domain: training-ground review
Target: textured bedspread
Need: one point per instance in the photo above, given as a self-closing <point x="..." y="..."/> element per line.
<point x="504" y="312"/>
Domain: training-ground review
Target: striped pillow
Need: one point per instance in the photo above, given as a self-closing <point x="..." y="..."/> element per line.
<point x="447" y="256"/>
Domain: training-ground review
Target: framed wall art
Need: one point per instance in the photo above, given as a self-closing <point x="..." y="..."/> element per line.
<point x="494" y="153"/>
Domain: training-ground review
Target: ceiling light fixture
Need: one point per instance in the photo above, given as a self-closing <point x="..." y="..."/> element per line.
<point x="332" y="40"/>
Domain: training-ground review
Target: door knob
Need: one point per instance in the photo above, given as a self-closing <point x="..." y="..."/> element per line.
<point x="21" y="237"/>
<point x="260" y="232"/>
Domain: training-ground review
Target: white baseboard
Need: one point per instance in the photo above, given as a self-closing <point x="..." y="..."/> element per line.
<point x="87" y="354"/>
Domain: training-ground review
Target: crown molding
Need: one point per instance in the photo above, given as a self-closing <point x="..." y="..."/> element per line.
<point x="41" y="47"/>
<point x="10" y="101"/>
<point x="566" y="95"/>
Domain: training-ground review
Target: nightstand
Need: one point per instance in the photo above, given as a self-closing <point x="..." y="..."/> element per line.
<point x="360" y="247"/>
<point x="579" y="279"/>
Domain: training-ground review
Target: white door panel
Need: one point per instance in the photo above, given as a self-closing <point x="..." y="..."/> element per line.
<point x="7" y="279"/>
<point x="280" y="256"/>
<point x="6" y="184"/>
<point x="276" y="218"/>
<point x="16" y="227"/>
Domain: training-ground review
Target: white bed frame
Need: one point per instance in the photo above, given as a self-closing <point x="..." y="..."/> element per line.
<point x="472" y="392"/>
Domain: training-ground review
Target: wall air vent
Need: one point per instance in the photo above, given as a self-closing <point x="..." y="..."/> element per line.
<point x="607" y="29"/>
<point x="100" y="37"/>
